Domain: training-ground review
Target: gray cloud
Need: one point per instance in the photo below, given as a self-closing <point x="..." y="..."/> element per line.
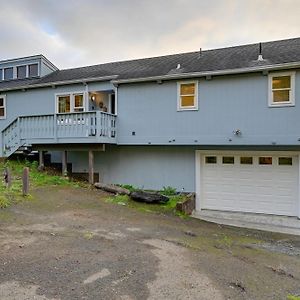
<point x="82" y="32"/>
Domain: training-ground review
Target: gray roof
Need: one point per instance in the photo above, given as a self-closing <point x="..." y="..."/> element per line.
<point x="231" y="58"/>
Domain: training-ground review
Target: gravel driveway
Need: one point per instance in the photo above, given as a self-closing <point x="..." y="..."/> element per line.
<point x="69" y="243"/>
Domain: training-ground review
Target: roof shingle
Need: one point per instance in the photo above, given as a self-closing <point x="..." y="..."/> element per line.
<point x="238" y="57"/>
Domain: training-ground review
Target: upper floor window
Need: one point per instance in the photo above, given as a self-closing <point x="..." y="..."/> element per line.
<point x="33" y="70"/>
<point x="69" y="103"/>
<point x="2" y="107"/>
<point x="187" y="95"/>
<point x="1" y="77"/>
<point x="21" y="72"/>
<point x="8" y="73"/>
<point x="282" y="89"/>
<point x="64" y="104"/>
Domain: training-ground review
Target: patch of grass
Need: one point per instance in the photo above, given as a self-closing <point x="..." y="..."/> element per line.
<point x="168" y="191"/>
<point x="36" y="179"/>
<point x="129" y="187"/>
<point x="119" y="199"/>
<point x="4" y="201"/>
<point x="168" y="207"/>
<point x="88" y="235"/>
<point x="292" y="297"/>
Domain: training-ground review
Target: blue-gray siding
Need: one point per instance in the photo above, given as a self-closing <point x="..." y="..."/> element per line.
<point x="143" y="166"/>
<point x="225" y="104"/>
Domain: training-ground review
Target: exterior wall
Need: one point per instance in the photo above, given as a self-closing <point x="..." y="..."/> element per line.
<point x="225" y="104"/>
<point x="40" y="101"/>
<point x="149" y="167"/>
<point x="45" y="69"/>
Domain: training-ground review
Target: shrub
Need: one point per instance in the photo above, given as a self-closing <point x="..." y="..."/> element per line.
<point x="168" y="191"/>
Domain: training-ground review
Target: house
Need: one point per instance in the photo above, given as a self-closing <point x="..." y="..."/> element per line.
<point x="224" y="123"/>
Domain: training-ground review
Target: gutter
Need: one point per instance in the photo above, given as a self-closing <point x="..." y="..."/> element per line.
<point x="64" y="82"/>
<point x="210" y="73"/>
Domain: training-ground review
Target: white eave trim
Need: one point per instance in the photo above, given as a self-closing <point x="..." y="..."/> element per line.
<point x="211" y="73"/>
<point x="66" y="82"/>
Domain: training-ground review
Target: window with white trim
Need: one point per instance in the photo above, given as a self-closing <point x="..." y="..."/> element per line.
<point x="187" y="94"/>
<point x="282" y="89"/>
<point x="2" y="107"/>
<point x="78" y="102"/>
<point x="69" y="103"/>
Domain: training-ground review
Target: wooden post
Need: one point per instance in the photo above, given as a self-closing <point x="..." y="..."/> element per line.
<point x="7" y="177"/>
<point x="91" y="167"/>
<point x="64" y="163"/>
<point x="41" y="161"/>
<point x="25" y="180"/>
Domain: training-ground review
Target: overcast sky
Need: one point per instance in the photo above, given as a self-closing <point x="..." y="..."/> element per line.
<point x="84" y="32"/>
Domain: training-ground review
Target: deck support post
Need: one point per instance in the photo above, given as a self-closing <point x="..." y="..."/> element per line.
<point x="64" y="163"/>
<point x="41" y="161"/>
<point x="91" y="167"/>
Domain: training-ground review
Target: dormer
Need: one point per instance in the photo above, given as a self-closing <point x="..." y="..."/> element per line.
<point x="25" y="67"/>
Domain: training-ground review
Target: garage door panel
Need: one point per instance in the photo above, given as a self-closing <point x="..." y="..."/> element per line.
<point x="271" y="189"/>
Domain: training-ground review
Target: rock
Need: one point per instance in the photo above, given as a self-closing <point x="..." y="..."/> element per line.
<point x="111" y="188"/>
<point x="147" y="197"/>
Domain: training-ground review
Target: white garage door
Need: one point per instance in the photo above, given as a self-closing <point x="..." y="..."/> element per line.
<point x="249" y="182"/>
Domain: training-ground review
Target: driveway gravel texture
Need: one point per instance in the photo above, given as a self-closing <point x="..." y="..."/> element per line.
<point x="70" y="243"/>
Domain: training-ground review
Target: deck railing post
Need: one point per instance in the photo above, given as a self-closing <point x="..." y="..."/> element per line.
<point x="55" y="127"/>
<point x="98" y="125"/>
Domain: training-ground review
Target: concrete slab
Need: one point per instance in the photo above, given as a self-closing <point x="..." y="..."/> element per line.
<point x="281" y="224"/>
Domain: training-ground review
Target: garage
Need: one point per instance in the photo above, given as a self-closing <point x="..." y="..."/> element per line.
<point x="256" y="182"/>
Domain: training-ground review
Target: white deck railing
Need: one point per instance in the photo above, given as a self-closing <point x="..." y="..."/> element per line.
<point x="59" y="128"/>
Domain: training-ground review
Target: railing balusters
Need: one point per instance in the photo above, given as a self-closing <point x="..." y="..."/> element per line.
<point x="98" y="125"/>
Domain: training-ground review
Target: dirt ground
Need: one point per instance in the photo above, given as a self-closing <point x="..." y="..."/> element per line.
<point x="69" y="243"/>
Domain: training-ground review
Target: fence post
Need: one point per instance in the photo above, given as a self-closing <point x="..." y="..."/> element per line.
<point x="25" y="180"/>
<point x="7" y="177"/>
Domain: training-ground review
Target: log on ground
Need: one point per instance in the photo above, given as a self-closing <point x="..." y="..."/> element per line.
<point x="111" y="188"/>
<point x="147" y="197"/>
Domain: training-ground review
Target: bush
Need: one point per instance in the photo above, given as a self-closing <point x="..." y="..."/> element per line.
<point x="168" y="191"/>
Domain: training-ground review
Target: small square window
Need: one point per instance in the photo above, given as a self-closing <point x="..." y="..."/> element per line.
<point x="246" y="160"/>
<point x="282" y="89"/>
<point x="33" y="70"/>
<point x="228" y="160"/>
<point x="78" y="103"/>
<point x="210" y="159"/>
<point x="21" y="72"/>
<point x="8" y="73"/>
<point x="187" y="95"/>
<point x="265" y="160"/>
<point x="285" y="161"/>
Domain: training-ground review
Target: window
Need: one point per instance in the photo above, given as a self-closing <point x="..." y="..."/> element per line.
<point x="78" y="103"/>
<point x="1" y="78"/>
<point x="285" y="161"/>
<point x="265" y="160"/>
<point x="8" y="73"/>
<point x="2" y="107"/>
<point x="21" y="72"/>
<point x="245" y="160"/>
<point x="282" y="89"/>
<point x="228" y="160"/>
<point x="210" y="159"/>
<point x="187" y="95"/>
<point x="69" y="103"/>
<point x="64" y="104"/>
<point x="33" y="70"/>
